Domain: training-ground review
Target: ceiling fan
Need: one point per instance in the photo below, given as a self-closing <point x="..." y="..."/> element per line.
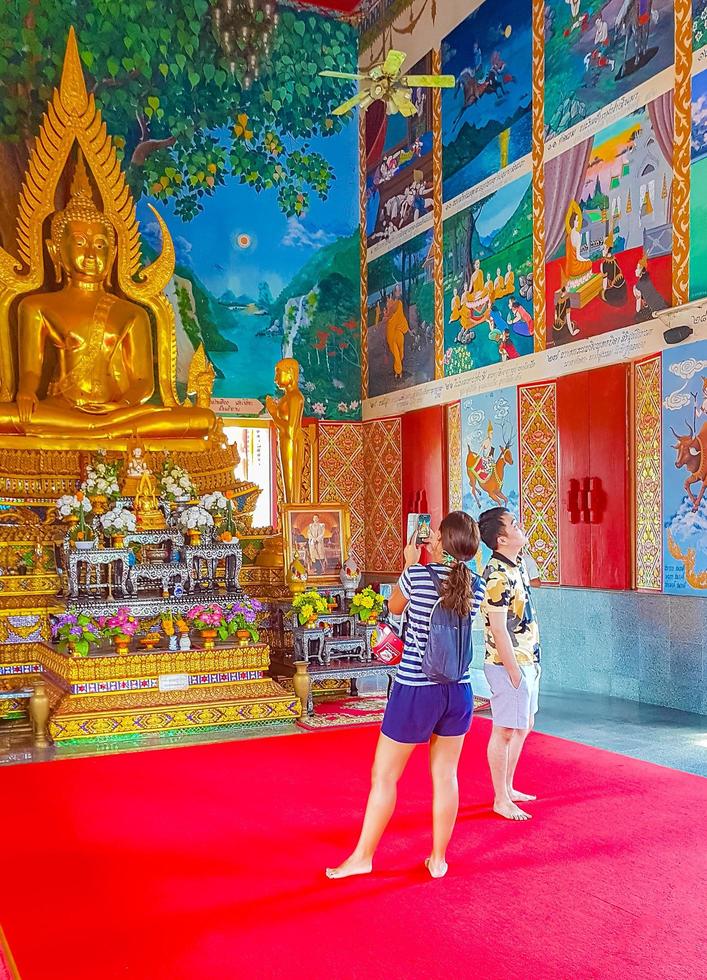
<point x="384" y="81"/>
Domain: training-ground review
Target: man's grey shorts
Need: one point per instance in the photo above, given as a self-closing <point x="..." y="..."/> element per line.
<point x="513" y="707"/>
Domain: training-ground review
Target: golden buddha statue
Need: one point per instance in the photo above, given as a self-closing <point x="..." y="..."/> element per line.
<point x="287" y="414"/>
<point x="83" y="365"/>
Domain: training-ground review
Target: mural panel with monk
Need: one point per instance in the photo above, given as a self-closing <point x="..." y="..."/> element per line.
<point x="401" y="317"/>
<point x="608" y="226"/>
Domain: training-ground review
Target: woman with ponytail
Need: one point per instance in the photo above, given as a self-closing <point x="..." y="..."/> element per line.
<point x="419" y="710"/>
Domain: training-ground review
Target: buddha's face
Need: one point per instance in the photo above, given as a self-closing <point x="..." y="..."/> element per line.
<point x="86" y="250"/>
<point x="283" y="376"/>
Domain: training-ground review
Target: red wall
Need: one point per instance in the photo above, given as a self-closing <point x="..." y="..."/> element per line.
<point x="424" y="462"/>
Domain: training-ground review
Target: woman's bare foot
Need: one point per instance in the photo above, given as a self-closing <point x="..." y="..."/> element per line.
<point x="510" y="811"/>
<point x="518" y="797"/>
<point x="352" y="866"/>
<point x="436" y="868"/>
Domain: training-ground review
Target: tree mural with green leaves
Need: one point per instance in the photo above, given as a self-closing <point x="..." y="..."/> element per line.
<point x="183" y="121"/>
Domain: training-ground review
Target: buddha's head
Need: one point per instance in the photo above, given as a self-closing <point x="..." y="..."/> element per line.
<point x="82" y="238"/>
<point x="287" y="373"/>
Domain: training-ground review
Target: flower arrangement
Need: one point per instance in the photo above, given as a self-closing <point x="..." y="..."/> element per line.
<point x="102" y="478"/>
<point x="241" y="617"/>
<point x="118" y="520"/>
<point x="121" y="625"/>
<point x="78" y="632"/>
<point x="215" y="503"/>
<point x="175" y="483"/>
<point x="309" y="605"/>
<point x="76" y="506"/>
<point x="220" y="506"/>
<point x="211" y="621"/>
<point x="70" y="504"/>
<point x="196" y="518"/>
<point x="367" y="604"/>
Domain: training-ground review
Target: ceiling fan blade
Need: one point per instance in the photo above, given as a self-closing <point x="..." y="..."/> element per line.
<point x="341" y="74"/>
<point x="350" y="103"/>
<point x="403" y="103"/>
<point x="393" y="63"/>
<point x="429" y="81"/>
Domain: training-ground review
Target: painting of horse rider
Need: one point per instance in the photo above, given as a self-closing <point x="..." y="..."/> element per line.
<point x="596" y="51"/>
<point x="490" y="475"/>
<point x="685" y="469"/>
<point x="486" y="117"/>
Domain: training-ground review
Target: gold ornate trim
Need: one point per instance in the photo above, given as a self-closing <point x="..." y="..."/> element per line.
<point x="538" y="158"/>
<point x="437" y="242"/>
<point x="681" y="151"/>
<point x="363" y="251"/>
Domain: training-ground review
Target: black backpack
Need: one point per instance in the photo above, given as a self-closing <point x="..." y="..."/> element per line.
<point x="448" y="652"/>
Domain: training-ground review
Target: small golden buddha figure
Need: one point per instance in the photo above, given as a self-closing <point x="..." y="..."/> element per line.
<point x="94" y="346"/>
<point x="287" y="414"/>
<point x="148" y="513"/>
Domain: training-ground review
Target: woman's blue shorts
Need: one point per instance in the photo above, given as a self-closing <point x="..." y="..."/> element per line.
<point x="414" y="714"/>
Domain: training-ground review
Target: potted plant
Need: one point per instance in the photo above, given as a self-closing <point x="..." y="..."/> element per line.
<point x="120" y="628"/>
<point x="241" y="618"/>
<point x="195" y="520"/>
<point x="76" y="633"/>
<point x="117" y="522"/>
<point x="101" y="483"/>
<point x="220" y="506"/>
<point x="308" y="606"/>
<point x="74" y="507"/>
<point x="211" y="621"/>
<point x="175" y="484"/>
<point x="367" y="605"/>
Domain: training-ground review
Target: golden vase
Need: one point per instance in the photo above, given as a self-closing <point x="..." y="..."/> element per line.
<point x="208" y="637"/>
<point x="121" y="644"/>
<point x="301" y="684"/>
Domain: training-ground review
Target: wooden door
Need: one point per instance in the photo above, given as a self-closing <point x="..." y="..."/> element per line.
<point x="573" y="466"/>
<point x="609" y="511"/>
<point x="424" y="464"/>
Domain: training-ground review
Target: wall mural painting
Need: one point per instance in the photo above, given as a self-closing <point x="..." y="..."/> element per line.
<point x="252" y="176"/>
<point x="608" y="226"/>
<point x="486" y="117"/>
<point x="488" y="288"/>
<point x="401" y="317"/>
<point x="698" y="188"/>
<point x="490" y="474"/>
<point x="685" y="469"/>
<point x="399" y="164"/>
<point x="596" y="51"/>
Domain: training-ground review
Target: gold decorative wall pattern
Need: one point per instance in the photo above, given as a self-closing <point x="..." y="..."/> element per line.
<point x="342" y="475"/>
<point x="437" y="241"/>
<point x="454" y="454"/>
<point x="537" y="408"/>
<point x="538" y="158"/>
<point x="681" y="151"/>
<point x="647" y="479"/>
<point x="383" y="494"/>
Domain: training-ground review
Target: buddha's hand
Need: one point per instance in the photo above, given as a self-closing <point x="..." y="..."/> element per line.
<point x="26" y="405"/>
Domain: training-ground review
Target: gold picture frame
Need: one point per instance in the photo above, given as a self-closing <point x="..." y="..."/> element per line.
<point x="324" y="552"/>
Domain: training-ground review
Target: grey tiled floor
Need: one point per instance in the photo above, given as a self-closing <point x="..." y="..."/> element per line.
<point x="664" y="736"/>
<point x="677" y="739"/>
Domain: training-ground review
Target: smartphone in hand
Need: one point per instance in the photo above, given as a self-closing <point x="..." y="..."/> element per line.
<point x="424" y="529"/>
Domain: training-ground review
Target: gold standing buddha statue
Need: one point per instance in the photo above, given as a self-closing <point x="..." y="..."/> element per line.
<point x="79" y="362"/>
<point x="286" y="414"/>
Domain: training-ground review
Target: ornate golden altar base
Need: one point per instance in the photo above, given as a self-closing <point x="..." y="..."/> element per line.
<point x="110" y="695"/>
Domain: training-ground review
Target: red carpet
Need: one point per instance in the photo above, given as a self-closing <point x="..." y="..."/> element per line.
<point x="208" y="862"/>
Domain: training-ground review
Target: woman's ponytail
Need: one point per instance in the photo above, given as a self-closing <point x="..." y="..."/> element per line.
<point x="460" y="540"/>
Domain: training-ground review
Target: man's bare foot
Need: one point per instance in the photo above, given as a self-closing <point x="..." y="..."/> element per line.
<point x="510" y="811"/>
<point x="436" y="868"/>
<point x="518" y="797"/>
<point x="351" y="866"/>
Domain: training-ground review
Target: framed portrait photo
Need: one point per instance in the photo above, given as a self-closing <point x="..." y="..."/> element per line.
<point x="319" y="535"/>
